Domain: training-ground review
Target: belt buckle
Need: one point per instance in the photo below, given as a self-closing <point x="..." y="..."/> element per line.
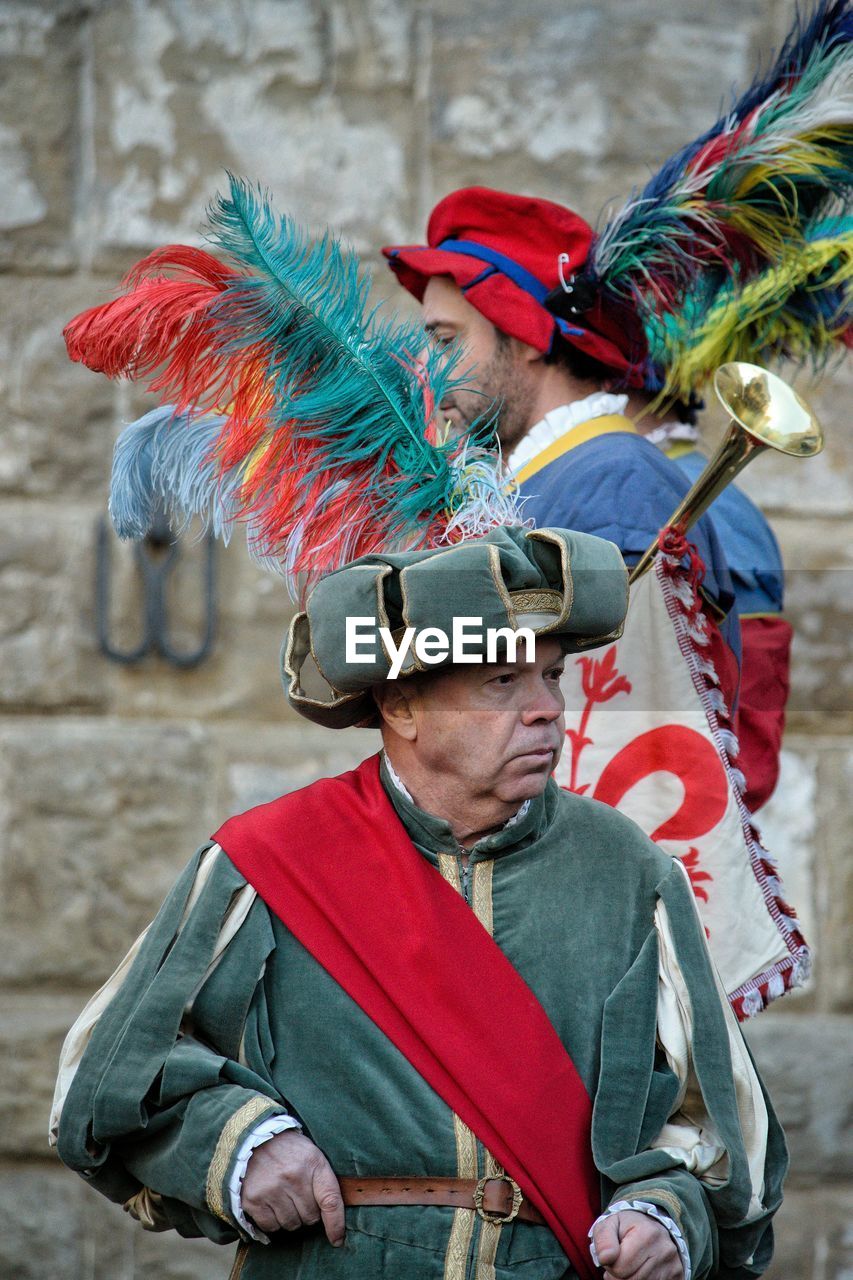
<point x="479" y="1192"/>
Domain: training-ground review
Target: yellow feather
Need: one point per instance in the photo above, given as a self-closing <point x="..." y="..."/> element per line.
<point x="727" y="332"/>
<point x="254" y="460"/>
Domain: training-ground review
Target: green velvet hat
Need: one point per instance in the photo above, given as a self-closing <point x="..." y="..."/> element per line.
<point x="571" y="586"/>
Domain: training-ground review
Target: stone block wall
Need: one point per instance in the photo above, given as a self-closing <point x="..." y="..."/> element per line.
<point x="117" y="121"/>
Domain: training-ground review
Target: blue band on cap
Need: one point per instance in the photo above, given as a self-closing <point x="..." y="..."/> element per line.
<point x="484" y="275"/>
<point x="517" y="274"/>
<point x="513" y="271"/>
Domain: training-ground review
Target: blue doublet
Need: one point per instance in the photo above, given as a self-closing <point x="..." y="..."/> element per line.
<point x="620" y="487"/>
<point x="751" y="550"/>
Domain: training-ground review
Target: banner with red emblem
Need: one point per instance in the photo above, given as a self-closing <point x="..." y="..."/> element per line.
<point x="647" y="731"/>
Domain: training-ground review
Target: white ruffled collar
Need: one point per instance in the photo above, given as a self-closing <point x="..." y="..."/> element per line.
<point x="558" y="421"/>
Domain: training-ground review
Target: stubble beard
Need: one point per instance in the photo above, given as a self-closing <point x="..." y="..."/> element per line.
<point x="512" y="417"/>
<point x="500" y="406"/>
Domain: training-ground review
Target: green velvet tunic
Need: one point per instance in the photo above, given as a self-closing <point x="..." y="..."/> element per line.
<point x="185" y="1061"/>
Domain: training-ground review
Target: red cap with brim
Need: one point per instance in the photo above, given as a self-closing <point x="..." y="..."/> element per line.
<point x="504" y="252"/>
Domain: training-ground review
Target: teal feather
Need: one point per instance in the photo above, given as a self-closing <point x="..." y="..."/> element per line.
<point x="340" y="377"/>
<point x="324" y="444"/>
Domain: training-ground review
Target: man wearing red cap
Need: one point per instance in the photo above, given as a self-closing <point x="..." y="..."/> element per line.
<point x="562" y="371"/>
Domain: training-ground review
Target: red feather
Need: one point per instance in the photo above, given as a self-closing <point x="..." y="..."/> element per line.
<point x="162" y="322"/>
<point x="719" y="148"/>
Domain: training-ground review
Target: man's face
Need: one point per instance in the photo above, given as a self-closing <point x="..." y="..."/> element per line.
<point x="493" y="731"/>
<point x="498" y="378"/>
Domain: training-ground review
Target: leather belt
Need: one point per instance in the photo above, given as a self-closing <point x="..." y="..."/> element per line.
<point x="497" y="1199"/>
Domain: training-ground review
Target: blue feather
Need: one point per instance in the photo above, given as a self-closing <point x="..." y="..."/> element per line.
<point x="168" y="458"/>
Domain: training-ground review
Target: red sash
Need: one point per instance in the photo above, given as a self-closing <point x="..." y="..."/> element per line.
<point x="336" y="865"/>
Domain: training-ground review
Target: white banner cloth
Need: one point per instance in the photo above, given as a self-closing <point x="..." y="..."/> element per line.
<point x="647" y="731"/>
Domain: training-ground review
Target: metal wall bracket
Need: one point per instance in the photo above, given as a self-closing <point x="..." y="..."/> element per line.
<point x="156" y="555"/>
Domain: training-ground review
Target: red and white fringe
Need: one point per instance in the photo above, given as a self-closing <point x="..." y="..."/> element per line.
<point x="680" y="588"/>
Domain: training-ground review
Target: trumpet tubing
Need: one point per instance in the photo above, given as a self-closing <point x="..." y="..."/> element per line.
<point x="765" y="414"/>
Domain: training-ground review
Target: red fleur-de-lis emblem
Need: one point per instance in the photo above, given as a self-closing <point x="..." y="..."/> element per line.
<point x="698" y="877"/>
<point x="600" y="682"/>
<point x="600" y="679"/>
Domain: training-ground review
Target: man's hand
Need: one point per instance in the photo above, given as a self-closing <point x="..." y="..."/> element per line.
<point x="289" y="1183"/>
<point x="635" y="1246"/>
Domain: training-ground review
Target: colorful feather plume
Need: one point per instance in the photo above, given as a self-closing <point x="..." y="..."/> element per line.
<point x="799" y="309"/>
<point x="295" y="407"/>
<point x="300" y="411"/>
<point x="739" y="203"/>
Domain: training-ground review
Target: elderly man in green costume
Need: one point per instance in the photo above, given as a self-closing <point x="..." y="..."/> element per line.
<point x="434" y="1017"/>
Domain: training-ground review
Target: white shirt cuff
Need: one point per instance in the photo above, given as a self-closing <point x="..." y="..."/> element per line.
<point x="261" y="1133"/>
<point x="643" y="1206"/>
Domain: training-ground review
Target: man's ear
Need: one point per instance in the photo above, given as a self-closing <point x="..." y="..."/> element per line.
<point x="396" y="701"/>
<point x="526" y="353"/>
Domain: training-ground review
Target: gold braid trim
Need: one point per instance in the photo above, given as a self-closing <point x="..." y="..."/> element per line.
<point x="546" y="601"/>
<point x="215" y="1191"/>
<point x="481" y="894"/>
<point x="667" y="1201"/>
<point x="462" y="1227"/>
<point x="449" y="870"/>
<point x="490" y="1232"/>
<point x="462" y="1230"/>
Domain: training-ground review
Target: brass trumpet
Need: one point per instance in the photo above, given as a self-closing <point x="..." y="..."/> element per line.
<point x="765" y="414"/>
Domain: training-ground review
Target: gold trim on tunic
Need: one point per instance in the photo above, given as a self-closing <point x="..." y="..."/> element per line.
<point x="462" y="1230"/>
<point x="668" y="1201"/>
<point x="229" y="1140"/>
<point x="462" y="1227"/>
<point x="490" y="1232"/>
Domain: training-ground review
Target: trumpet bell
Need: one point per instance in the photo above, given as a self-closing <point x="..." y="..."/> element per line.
<point x="766" y="414"/>
<point x="768" y="409"/>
